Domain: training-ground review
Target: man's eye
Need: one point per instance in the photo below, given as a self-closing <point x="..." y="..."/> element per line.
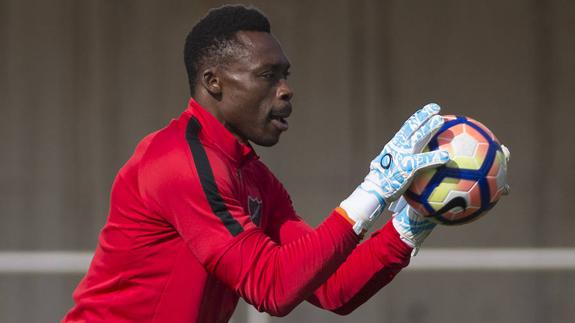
<point x="275" y="75"/>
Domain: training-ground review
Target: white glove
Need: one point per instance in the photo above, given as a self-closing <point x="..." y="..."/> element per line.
<point x="412" y="227"/>
<point x="393" y="169"/>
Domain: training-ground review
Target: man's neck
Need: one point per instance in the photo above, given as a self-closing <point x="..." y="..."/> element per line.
<point x="212" y="105"/>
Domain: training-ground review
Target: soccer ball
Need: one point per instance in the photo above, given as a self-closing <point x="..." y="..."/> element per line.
<point x="467" y="186"/>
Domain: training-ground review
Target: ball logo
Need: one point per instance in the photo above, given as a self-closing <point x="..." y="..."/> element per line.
<point x="457" y="204"/>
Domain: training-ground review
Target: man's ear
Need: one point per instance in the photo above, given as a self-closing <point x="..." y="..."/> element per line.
<point x="211" y="82"/>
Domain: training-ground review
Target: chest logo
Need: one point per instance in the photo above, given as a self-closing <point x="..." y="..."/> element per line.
<point x="255" y="209"/>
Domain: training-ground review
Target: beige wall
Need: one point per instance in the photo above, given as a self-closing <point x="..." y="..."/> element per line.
<point x="82" y="81"/>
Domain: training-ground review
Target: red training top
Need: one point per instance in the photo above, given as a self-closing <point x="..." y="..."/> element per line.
<point x="197" y="220"/>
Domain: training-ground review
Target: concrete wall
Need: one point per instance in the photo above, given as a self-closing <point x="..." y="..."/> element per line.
<point x="82" y="81"/>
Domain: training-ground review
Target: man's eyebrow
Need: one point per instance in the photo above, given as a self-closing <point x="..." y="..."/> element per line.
<point x="274" y="66"/>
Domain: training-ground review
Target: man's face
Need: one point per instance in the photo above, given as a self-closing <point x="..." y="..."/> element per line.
<point x="255" y="97"/>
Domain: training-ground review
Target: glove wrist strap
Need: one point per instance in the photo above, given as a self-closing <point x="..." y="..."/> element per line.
<point x="363" y="207"/>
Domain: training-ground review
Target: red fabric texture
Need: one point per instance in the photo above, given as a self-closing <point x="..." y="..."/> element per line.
<point x="169" y="252"/>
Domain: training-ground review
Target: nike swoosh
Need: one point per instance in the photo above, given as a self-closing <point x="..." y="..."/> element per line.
<point x="455" y="202"/>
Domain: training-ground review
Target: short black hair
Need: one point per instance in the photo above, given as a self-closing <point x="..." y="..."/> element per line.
<point x="211" y="38"/>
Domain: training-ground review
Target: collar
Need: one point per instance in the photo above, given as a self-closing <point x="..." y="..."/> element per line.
<point x="218" y="135"/>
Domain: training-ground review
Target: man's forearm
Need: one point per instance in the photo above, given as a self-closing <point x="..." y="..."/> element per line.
<point x="371" y="266"/>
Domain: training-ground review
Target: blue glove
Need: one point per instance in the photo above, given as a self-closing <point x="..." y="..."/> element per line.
<point x="393" y="169"/>
<point x="412" y="227"/>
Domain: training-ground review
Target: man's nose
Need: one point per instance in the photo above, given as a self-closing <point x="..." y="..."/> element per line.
<point x="285" y="93"/>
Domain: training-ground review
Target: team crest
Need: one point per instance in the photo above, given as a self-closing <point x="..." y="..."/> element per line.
<point x="255" y="209"/>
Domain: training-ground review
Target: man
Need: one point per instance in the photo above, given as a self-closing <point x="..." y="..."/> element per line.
<point x="197" y="220"/>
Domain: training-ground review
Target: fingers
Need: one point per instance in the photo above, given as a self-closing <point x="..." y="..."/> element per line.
<point x="506" y="189"/>
<point x="506" y="152"/>
<point x="430" y="159"/>
<point x="423" y="135"/>
<point x="418" y="119"/>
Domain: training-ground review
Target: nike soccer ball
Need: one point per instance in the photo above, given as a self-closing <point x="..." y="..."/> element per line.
<point x="470" y="184"/>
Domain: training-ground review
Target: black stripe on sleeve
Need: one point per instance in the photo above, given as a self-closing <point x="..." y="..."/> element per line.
<point x="207" y="178"/>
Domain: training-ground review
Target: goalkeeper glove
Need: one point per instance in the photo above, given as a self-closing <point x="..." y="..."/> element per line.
<point x="393" y="169"/>
<point x="412" y="227"/>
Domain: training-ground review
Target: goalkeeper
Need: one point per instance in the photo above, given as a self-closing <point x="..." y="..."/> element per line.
<point x="197" y="220"/>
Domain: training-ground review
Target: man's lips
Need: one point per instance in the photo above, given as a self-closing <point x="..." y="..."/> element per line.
<point x="280" y="123"/>
<point x="278" y="118"/>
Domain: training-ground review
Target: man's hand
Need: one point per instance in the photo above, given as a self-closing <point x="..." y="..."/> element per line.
<point x="393" y="169"/>
<point x="412" y="227"/>
<point x="507" y="155"/>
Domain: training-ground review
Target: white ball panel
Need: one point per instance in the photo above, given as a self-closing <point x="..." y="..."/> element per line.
<point x="464" y="145"/>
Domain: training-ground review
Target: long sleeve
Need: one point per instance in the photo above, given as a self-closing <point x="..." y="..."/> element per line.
<point x="371" y="266"/>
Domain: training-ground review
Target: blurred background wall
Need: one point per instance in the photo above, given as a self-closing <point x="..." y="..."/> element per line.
<point x="82" y="81"/>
